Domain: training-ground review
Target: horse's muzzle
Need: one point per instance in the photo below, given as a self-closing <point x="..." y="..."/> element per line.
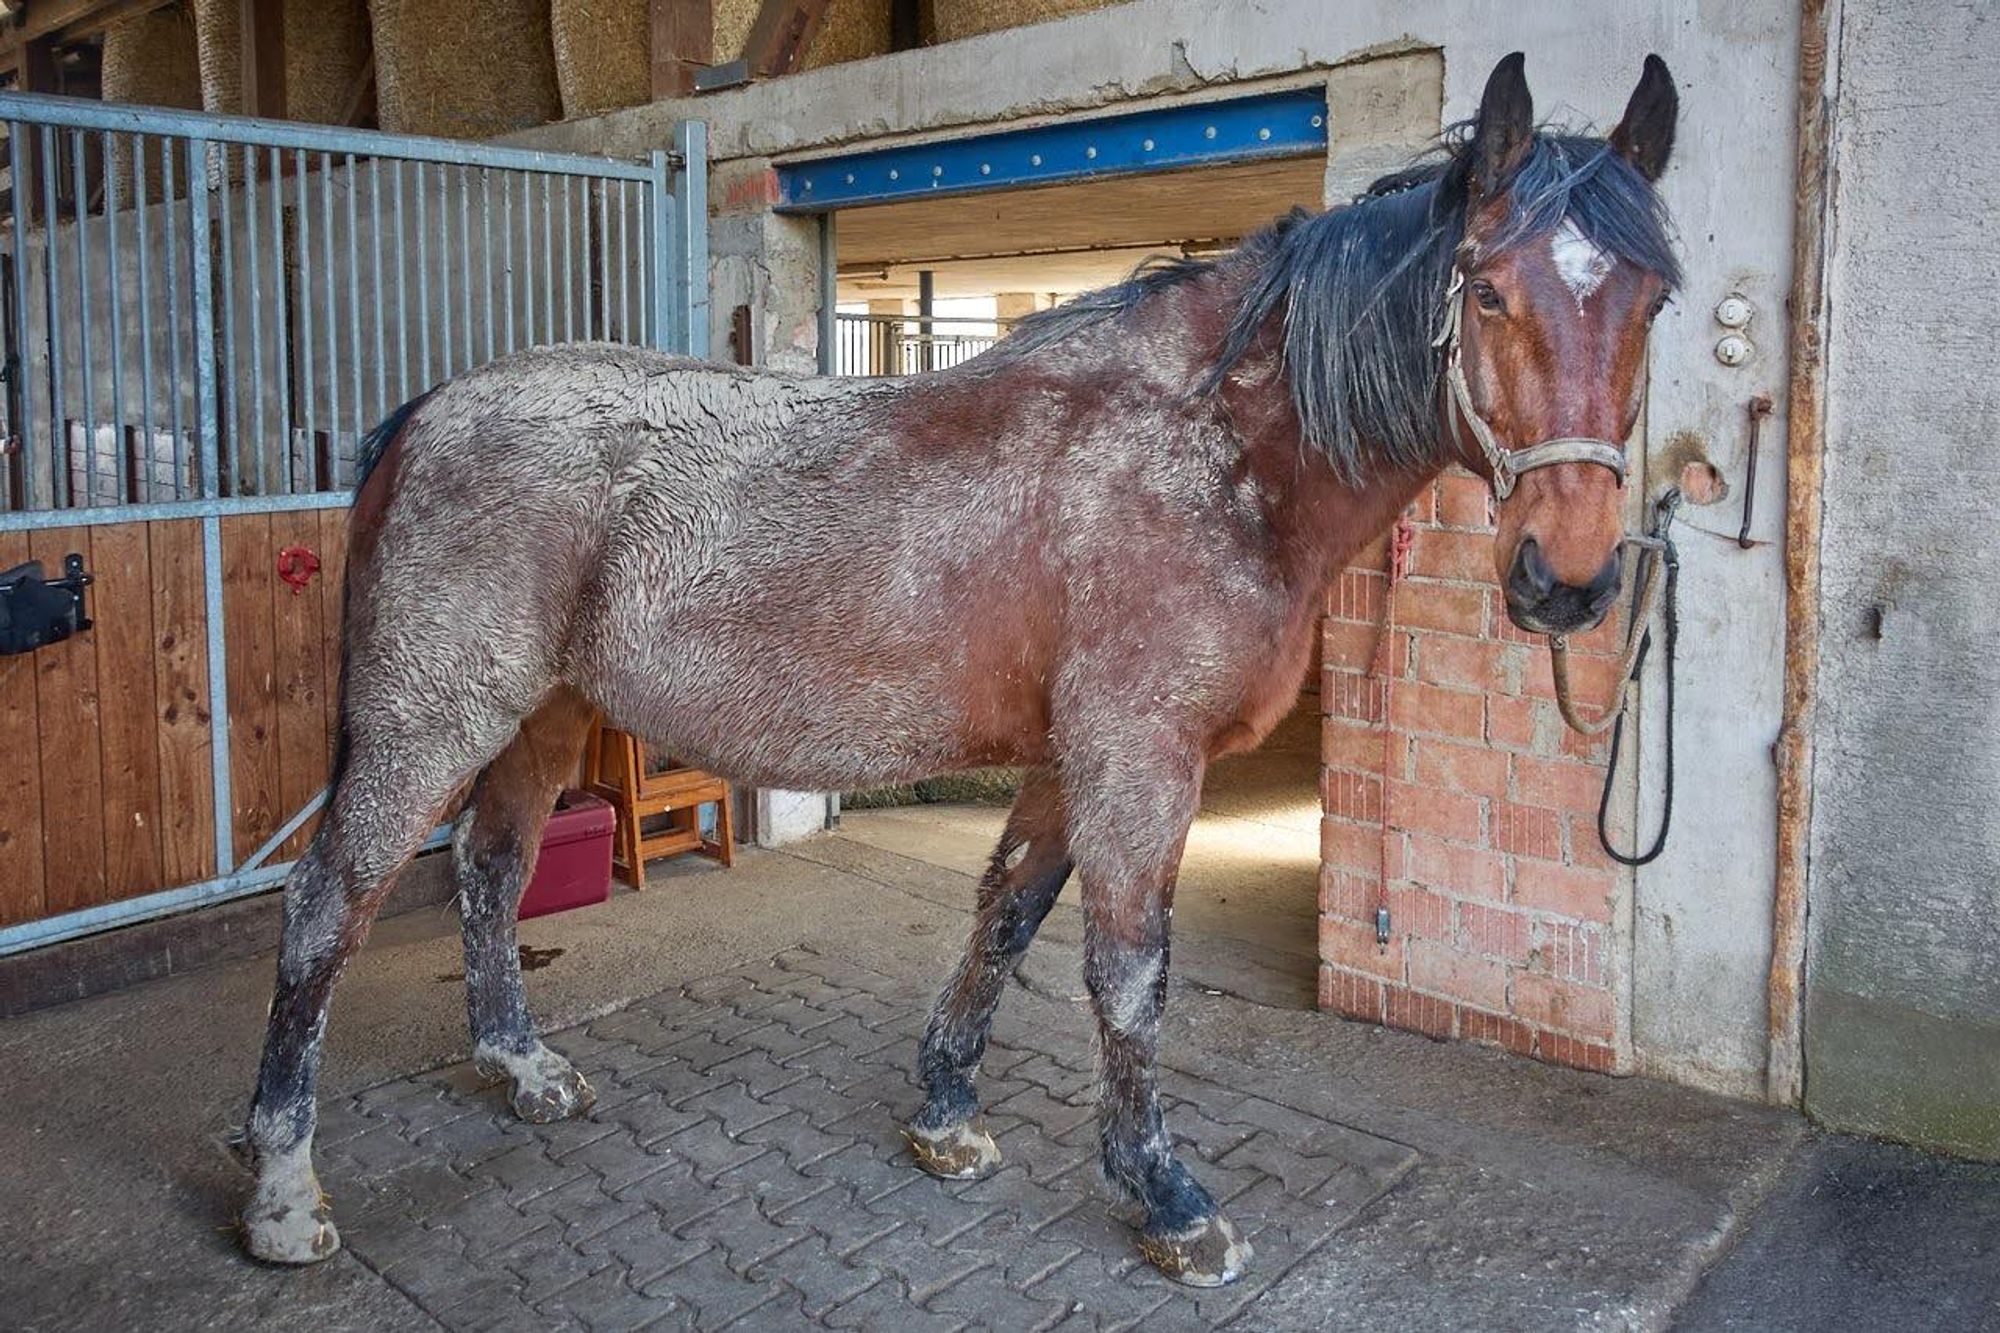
<point x="1540" y="603"/>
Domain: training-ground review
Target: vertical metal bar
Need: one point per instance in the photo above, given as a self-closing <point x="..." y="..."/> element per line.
<point x="402" y="298"/>
<point x="281" y="346"/>
<point x="201" y="281"/>
<point x="447" y="316"/>
<point x="145" y="247"/>
<point x="829" y="293"/>
<point x="254" y="439"/>
<point x="569" y="261"/>
<point x="229" y="377"/>
<point x="486" y="245"/>
<point x="527" y="261"/>
<point x="507" y="253"/>
<point x="548" y="248"/>
<point x="332" y="318"/>
<point x="25" y="426"/>
<point x="423" y="276"/>
<point x="82" y="318"/>
<point x="354" y="296"/>
<point x="307" y="380"/>
<point x="122" y="464"/>
<point x="376" y="216"/>
<point x="690" y="236"/>
<point x="465" y="255"/>
<point x="52" y="286"/>
<point x="169" y="188"/>
<point x="659" y="265"/>
<point x="604" y="258"/>
<point x="625" y="333"/>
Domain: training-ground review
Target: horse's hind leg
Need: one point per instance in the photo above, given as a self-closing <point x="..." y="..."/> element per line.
<point x="493" y="850"/>
<point x="1022" y="881"/>
<point x="380" y="812"/>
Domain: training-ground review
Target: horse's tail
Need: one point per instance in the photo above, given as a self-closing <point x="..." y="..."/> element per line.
<point x="373" y="446"/>
<point x="376" y="441"/>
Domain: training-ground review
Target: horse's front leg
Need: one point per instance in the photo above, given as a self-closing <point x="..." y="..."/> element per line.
<point x="1027" y="872"/>
<point x="1128" y="830"/>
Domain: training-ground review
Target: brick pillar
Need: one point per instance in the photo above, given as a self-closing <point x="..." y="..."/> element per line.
<point x="1500" y="898"/>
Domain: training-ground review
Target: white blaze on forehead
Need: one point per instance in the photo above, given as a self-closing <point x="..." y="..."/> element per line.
<point x="1581" y="265"/>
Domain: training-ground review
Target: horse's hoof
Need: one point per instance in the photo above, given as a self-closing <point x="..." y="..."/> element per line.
<point x="1211" y="1253"/>
<point x="543" y="1087"/>
<point x="289" y="1221"/>
<point x="957" y="1152"/>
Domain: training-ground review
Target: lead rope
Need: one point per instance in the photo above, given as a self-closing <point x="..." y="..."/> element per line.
<point x="1657" y="549"/>
<point x="1397" y="564"/>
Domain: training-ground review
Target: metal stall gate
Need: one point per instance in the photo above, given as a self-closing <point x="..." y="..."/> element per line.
<point x="203" y="317"/>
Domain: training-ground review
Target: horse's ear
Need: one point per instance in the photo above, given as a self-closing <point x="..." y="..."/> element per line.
<point x="1645" y="136"/>
<point x="1505" y="128"/>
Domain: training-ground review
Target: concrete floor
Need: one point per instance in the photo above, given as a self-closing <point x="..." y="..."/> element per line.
<point x="1533" y="1198"/>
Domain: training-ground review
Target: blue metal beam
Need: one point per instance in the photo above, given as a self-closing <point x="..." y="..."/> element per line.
<point x="1286" y="124"/>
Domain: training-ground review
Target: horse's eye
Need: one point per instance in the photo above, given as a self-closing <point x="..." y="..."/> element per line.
<point x="1488" y="298"/>
<point x="1659" y="303"/>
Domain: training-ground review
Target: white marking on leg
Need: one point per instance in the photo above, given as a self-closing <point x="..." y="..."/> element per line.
<point x="1580" y="263"/>
<point x="1132" y="998"/>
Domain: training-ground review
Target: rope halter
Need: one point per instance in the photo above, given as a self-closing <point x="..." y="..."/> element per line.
<point x="1506" y="464"/>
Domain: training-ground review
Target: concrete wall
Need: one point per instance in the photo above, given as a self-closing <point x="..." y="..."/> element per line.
<point x="1903" y="960"/>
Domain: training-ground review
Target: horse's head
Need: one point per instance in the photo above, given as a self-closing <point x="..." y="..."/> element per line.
<point x="1563" y="266"/>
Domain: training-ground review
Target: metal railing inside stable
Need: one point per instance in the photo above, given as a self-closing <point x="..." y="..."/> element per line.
<point x="204" y="315"/>
<point x="910" y="344"/>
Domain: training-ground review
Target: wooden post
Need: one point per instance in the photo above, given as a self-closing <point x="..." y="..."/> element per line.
<point x="683" y="42"/>
<point x="263" y="33"/>
<point x="779" y="38"/>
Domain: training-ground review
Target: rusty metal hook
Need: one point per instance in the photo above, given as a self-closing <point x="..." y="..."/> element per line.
<point x="1760" y="407"/>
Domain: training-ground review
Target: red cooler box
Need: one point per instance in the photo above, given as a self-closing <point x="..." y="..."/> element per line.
<point x="574" y="868"/>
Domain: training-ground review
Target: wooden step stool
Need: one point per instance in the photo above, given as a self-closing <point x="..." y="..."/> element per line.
<point x="614" y="767"/>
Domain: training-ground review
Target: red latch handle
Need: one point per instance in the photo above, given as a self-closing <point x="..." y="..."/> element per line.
<point x="296" y="566"/>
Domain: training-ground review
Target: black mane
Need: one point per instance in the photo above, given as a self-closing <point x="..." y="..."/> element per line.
<point x="1361" y="288"/>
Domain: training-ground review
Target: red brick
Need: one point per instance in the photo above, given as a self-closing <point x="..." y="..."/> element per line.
<point x="752" y="192"/>
<point x="1527" y="830"/>
<point x="1573" y="744"/>
<point x="1464" y="501"/>
<point x="1560" y="784"/>
<point x="1432" y="710"/>
<point x="1571" y="952"/>
<point x="1352" y="795"/>
<point x="1413" y="1011"/>
<point x="1558" y="1049"/>
<point x="1474" y="769"/>
<point x="1352" y="695"/>
<point x="1416" y="911"/>
<point x="1496" y="1030"/>
<point x="1345" y="743"/>
<point x="1582" y="895"/>
<point x="1346" y="845"/>
<point x="1466" y="664"/>
<point x="1496" y="932"/>
<point x="1440" y="554"/>
<point x="1593" y="682"/>
<point x="1357" y="595"/>
<point x="1350" y="644"/>
<point x="1350" y="994"/>
<point x="1443" y="813"/>
<point x="1352" y="945"/>
<point x="1563" y="1006"/>
<point x="1454" y="608"/>
<point x="1511" y="722"/>
<point x="1458" y="869"/>
<point x="1443" y="970"/>
<point x="1349" y="896"/>
<point x="1584" y="848"/>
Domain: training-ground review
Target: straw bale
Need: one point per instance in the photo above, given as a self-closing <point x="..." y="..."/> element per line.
<point x="603" y="54"/>
<point x="326" y="48"/>
<point x="466" y="69"/>
<point x="969" y="18"/>
<point x="151" y="59"/>
<point x="851" y="30"/>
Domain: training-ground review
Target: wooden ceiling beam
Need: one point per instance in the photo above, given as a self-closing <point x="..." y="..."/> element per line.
<point x="682" y="43"/>
<point x="778" y="40"/>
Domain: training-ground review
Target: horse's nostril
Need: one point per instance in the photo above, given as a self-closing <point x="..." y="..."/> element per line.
<point x="1605" y="585"/>
<point x="1530" y="580"/>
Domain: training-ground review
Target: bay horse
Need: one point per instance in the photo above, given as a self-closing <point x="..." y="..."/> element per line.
<point x="1098" y="551"/>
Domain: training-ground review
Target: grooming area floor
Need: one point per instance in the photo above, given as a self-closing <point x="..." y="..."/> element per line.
<point x="751" y="1035"/>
